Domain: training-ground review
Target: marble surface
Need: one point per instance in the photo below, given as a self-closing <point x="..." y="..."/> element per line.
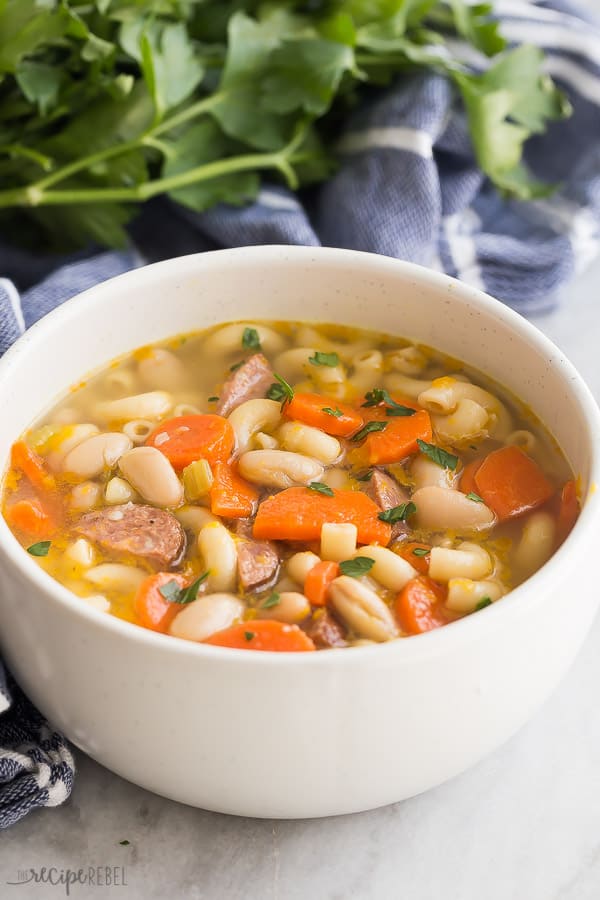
<point x="524" y="823"/>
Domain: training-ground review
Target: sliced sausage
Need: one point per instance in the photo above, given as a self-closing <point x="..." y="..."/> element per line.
<point x="136" y="529"/>
<point x="257" y="563"/>
<point x="250" y="382"/>
<point x="387" y="493"/>
<point x="326" y="631"/>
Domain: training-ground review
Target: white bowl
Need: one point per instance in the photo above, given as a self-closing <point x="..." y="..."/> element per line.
<point x="294" y="735"/>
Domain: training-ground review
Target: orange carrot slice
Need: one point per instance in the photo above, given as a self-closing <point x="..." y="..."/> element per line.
<point x="185" y="439"/>
<point x="467" y="477"/>
<point x="419" y="605"/>
<point x="419" y="561"/>
<point x="31" y="465"/>
<point x="568" y="510"/>
<point x="262" y="635"/>
<point x="399" y="438"/>
<point x="33" y="517"/>
<point x="342" y="420"/>
<point x="231" y="495"/>
<point x="151" y="609"/>
<point x="318" y="580"/>
<point x="511" y="483"/>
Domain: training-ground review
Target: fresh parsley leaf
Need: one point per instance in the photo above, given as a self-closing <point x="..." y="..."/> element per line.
<point x="40" y="549"/>
<point x="356" y="567"/>
<point x="332" y="412"/>
<point x="249" y="635"/>
<point x="473" y="496"/>
<point x="272" y="600"/>
<point x="124" y="843"/>
<point x="368" y="429"/>
<point x="251" y="339"/>
<point x="174" y="594"/>
<point x="379" y="396"/>
<point x="364" y="476"/>
<point x="399" y="411"/>
<point x="320" y="488"/>
<point x="324" y="359"/>
<point x="420" y="551"/>
<point x="398" y="513"/>
<point x="213" y="399"/>
<point x="437" y="455"/>
<point x="236" y="366"/>
<point x="280" y="390"/>
<point x="485" y="601"/>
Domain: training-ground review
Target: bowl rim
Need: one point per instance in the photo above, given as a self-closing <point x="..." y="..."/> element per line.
<point x="419" y="646"/>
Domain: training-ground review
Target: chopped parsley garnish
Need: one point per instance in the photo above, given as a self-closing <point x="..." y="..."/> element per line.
<point x="473" y="496"/>
<point x="332" y="412"/>
<point x="379" y="395"/>
<point x="236" y="366"/>
<point x="272" y="600"/>
<point x="420" y="551"/>
<point x="174" y="594"/>
<point x="251" y="339"/>
<point x="356" y="567"/>
<point x="368" y="428"/>
<point x="40" y="549"/>
<point x="365" y="476"/>
<point x="124" y="843"/>
<point x="437" y="455"/>
<point x="212" y="399"/>
<point x="320" y="488"/>
<point x="398" y="513"/>
<point x="249" y="635"/>
<point x="485" y="601"/>
<point x="280" y="390"/>
<point x="324" y="359"/>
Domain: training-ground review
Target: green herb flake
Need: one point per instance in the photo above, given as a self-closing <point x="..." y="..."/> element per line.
<point x="332" y="412"/>
<point x="40" y="549"/>
<point x="271" y="601"/>
<point x="320" y="488"/>
<point x="251" y="339"/>
<point x="364" y="476"/>
<point x="213" y="399"/>
<point x="369" y="428"/>
<point x="475" y="497"/>
<point x="398" y="513"/>
<point x="420" y="551"/>
<point x="236" y="366"/>
<point x="379" y="396"/>
<point x="174" y="594"/>
<point x="170" y="591"/>
<point x="280" y="390"/>
<point x="437" y="455"/>
<point x="324" y="359"/>
<point x="356" y="567"/>
<point x="485" y="601"/>
<point x="249" y="635"/>
<point x="124" y="843"/>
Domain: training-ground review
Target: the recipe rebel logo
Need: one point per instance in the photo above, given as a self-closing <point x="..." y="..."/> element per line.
<point x="70" y="879"/>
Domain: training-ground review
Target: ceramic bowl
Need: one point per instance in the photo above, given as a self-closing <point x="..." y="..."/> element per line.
<point x="295" y="735"/>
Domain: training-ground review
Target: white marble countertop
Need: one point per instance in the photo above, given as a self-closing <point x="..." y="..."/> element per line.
<point x="524" y="823"/>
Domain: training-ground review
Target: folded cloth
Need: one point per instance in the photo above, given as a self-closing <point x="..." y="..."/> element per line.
<point x="408" y="187"/>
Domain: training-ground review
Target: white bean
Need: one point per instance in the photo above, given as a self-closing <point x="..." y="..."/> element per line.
<point x="292" y="607"/>
<point x="161" y="369"/>
<point x="299" y="565"/>
<point x="218" y="550"/>
<point x="464" y="594"/>
<point x="251" y="417"/>
<point x="85" y="495"/>
<point x="205" y="616"/>
<point x="279" y="468"/>
<point x="97" y="601"/>
<point x="263" y="441"/>
<point x="152" y="405"/>
<point x="95" y="454"/>
<point x="536" y="544"/>
<point x="116" y="576"/>
<point x="425" y="472"/>
<point x="467" y="561"/>
<point x="439" y="509"/>
<point x="362" y="609"/>
<point x="389" y="569"/>
<point x="80" y="553"/>
<point x="194" y="517"/>
<point x="65" y="440"/>
<point x="152" y="476"/>
<point x="118" y="490"/>
<point x="310" y="442"/>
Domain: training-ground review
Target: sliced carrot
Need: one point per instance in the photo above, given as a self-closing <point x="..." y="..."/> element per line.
<point x="467" y="477"/>
<point x="511" y="483"/>
<point x="151" y="609"/>
<point x="297" y="514"/>
<point x="399" y="439"/>
<point x="32" y="465"/>
<point x="420" y="562"/>
<point x="342" y="421"/>
<point x="568" y="510"/>
<point x="231" y="495"/>
<point x="32" y="516"/>
<point x="419" y="605"/>
<point x="185" y="439"/>
<point x="318" y="580"/>
<point x="262" y="635"/>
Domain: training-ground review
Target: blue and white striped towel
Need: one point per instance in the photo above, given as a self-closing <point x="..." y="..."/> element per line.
<point x="408" y="187"/>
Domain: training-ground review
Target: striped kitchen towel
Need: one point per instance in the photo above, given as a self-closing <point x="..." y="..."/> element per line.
<point x="407" y="187"/>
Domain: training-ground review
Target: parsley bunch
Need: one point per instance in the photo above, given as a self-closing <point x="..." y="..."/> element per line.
<point x="107" y="103"/>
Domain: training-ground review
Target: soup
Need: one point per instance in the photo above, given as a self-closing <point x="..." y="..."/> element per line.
<point x="289" y="487"/>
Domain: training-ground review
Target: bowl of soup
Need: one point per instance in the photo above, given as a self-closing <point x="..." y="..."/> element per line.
<point x="292" y="532"/>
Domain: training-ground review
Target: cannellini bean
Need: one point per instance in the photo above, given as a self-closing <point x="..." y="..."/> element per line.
<point x="85" y="495"/>
<point x="203" y="617"/>
<point x="152" y="405"/>
<point x="194" y="517"/>
<point x="251" y="417"/>
<point x="97" y="601"/>
<point x="338" y="540"/>
<point x="299" y="565"/>
<point x="310" y="442"/>
<point x="291" y="608"/>
<point x="80" y="553"/>
<point x="362" y="609"/>
<point x="389" y="569"/>
<point x="218" y="550"/>
<point x="424" y="472"/>
<point x="161" y="369"/>
<point x="228" y="339"/>
<point x="279" y="468"/>
<point x="118" y="490"/>
<point x="152" y="476"/>
<point x="467" y="561"/>
<point x="263" y="441"/>
<point x="439" y="509"/>
<point x="65" y="440"/>
<point x="137" y="430"/>
<point x="464" y="594"/>
<point x="116" y="576"/>
<point x="95" y="454"/>
<point x="536" y="544"/>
